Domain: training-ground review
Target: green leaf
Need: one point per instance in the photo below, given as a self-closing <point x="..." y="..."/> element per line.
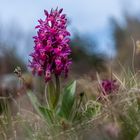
<point x="68" y="98"/>
<point x="44" y="112"/>
<point x="34" y="102"/>
<point x="47" y="113"/>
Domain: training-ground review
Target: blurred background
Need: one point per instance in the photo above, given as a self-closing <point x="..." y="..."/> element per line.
<point x="102" y="33"/>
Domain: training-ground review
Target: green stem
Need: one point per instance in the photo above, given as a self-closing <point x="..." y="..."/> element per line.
<point x="47" y="97"/>
<point x="133" y="57"/>
<point x="57" y="80"/>
<point x="78" y="106"/>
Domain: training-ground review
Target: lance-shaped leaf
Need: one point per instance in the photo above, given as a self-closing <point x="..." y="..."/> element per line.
<point x="34" y="102"/>
<point x="45" y="113"/>
<point x="68" y="98"/>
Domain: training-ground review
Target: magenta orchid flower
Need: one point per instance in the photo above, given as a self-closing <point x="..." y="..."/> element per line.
<point x="51" y="51"/>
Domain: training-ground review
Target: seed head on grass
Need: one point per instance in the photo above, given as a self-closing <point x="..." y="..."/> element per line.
<point x="51" y="50"/>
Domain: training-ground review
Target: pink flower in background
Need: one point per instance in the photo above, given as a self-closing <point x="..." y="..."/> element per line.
<point x="51" y="50"/>
<point x="108" y="86"/>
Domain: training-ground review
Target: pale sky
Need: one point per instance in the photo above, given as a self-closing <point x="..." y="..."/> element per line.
<point x="87" y="16"/>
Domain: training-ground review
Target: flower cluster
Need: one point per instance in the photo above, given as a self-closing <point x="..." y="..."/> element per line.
<point x="108" y="86"/>
<point x="52" y="50"/>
